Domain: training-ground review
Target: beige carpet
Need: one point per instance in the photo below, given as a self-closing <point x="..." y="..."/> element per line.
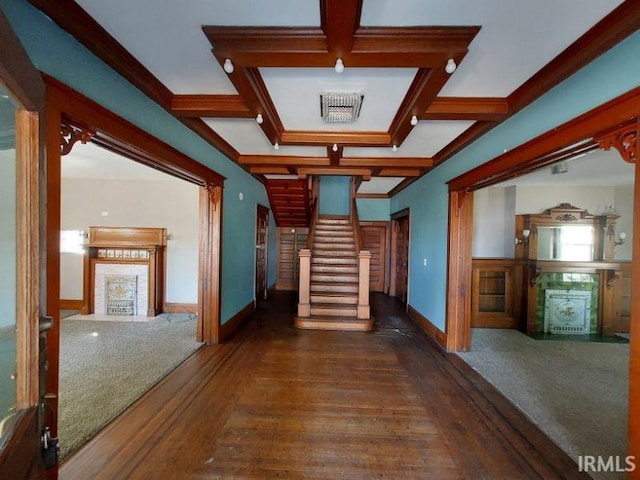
<point x="576" y="392"/>
<point x="105" y="366"/>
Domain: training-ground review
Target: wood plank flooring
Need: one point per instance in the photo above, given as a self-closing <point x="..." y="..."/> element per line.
<point x="277" y="402"/>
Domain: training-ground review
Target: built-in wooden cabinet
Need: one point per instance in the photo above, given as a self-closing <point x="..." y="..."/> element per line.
<point x="496" y="299"/>
<point x="289" y="241"/>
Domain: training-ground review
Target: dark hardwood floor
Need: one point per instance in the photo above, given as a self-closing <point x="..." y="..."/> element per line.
<point x="277" y="402"/>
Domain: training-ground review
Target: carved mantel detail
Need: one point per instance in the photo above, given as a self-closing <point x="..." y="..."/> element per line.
<point x="70" y="134"/>
<point x="624" y="139"/>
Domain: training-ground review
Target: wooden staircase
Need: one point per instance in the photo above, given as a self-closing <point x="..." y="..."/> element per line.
<point x="334" y="278"/>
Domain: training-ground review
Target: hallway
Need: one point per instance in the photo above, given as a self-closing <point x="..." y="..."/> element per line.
<point x="277" y="402"/>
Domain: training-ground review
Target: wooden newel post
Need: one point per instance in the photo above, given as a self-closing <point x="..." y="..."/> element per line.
<point x="304" y="308"/>
<point x="364" y="261"/>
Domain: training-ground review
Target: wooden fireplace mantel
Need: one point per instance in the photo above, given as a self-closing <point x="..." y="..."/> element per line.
<point x="128" y="245"/>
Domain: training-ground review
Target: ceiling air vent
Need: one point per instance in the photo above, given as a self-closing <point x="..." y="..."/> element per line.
<point x="340" y="107"/>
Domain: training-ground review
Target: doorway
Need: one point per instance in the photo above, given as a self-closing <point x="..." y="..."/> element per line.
<point x="72" y="118"/>
<point x="262" y="236"/>
<point x="400" y="231"/>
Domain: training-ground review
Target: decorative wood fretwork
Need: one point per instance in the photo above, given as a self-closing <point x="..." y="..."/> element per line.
<point x="624" y="139"/>
<point x="70" y="134"/>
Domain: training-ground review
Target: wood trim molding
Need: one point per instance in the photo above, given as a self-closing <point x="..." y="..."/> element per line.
<point x="429" y="328"/>
<point x="190" y="308"/>
<point x="225" y="106"/>
<point x="472" y="108"/>
<point x="372" y="195"/>
<point x="538" y="151"/>
<point x="71" y="304"/>
<point x="231" y="326"/>
<point x="118" y="134"/>
<point x="608" y="32"/>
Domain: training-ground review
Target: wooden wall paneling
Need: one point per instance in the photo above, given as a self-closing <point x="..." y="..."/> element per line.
<point x="374" y="239"/>
<point x="289" y="242"/>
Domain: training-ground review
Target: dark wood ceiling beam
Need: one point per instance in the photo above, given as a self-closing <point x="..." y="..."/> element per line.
<point x="231" y="41"/>
<point x="423" y="90"/>
<point x="365" y="173"/>
<point x="387" y="162"/>
<point x="448" y="41"/>
<point x="252" y="89"/>
<point x="334" y="157"/>
<point x="399" y="172"/>
<point x="221" y="106"/>
<point x="328" y="138"/>
<point x="282" y="160"/>
<point x="204" y="131"/>
<point x="466" y="108"/>
<point x="339" y="20"/>
<point x="269" y="169"/>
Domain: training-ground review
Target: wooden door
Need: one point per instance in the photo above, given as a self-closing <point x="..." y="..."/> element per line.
<point x="289" y="242"/>
<point x="400" y="258"/>
<point x="22" y="422"/>
<point x="262" y="234"/>
<point x="374" y="239"/>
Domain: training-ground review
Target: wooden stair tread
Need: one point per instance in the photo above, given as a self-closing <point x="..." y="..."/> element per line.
<point x="334" y="323"/>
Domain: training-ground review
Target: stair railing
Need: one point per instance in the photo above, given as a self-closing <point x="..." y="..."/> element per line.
<point x="364" y="263"/>
<point x="304" y="278"/>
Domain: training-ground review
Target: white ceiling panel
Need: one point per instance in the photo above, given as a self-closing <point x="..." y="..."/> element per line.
<point x="246" y="137"/>
<point x="379" y="185"/>
<point x="296" y="94"/>
<point x="517" y="38"/>
<point x="166" y="36"/>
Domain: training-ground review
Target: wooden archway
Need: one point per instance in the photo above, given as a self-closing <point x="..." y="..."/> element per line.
<point x="615" y="124"/>
<point x="72" y="117"/>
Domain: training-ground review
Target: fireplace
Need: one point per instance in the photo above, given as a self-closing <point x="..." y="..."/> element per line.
<point x="125" y="271"/>
<point x="567" y="312"/>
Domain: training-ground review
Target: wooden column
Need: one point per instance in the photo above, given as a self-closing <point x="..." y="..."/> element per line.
<point x="458" y="331"/>
<point x="304" y="307"/>
<point x="634" y="372"/>
<point x="364" y="263"/>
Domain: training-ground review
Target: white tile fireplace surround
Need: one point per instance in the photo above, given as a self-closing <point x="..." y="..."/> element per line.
<point x="105" y="270"/>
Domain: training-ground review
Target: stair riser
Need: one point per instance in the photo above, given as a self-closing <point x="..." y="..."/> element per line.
<point x="328" y="260"/>
<point x="327" y="277"/>
<point x="333" y="221"/>
<point x="321" y="288"/>
<point x="344" y="300"/>
<point x="333" y="240"/>
<point x="333" y="228"/>
<point x="334" y="312"/>
<point x="335" y="269"/>
<point x="323" y="252"/>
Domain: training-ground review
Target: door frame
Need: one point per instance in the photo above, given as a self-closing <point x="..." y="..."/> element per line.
<point x="590" y="128"/>
<point x="394" y="253"/>
<point x="21" y="455"/>
<point x="72" y="117"/>
<point x="262" y="211"/>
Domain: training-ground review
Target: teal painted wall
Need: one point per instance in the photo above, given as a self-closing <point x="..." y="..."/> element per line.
<point x="55" y="52"/>
<point x="334" y="196"/>
<point x="608" y="77"/>
<point x="373" y="209"/>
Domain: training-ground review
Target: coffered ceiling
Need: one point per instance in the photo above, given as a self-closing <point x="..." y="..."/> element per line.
<point x="394" y="54"/>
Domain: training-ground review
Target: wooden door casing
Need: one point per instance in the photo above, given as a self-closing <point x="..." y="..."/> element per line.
<point x="374" y="240"/>
<point x="20" y="453"/>
<point x="262" y="235"/>
<point x="399" y="271"/>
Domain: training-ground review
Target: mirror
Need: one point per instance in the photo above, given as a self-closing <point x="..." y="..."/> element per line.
<point x="8" y="283"/>
<point x="566" y="243"/>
